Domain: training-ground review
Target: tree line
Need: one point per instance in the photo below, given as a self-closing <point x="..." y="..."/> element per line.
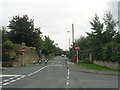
<point x="102" y="43"/>
<point x="21" y="29"/>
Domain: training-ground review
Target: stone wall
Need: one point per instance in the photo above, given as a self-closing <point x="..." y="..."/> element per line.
<point x="113" y="65"/>
<point x="16" y="56"/>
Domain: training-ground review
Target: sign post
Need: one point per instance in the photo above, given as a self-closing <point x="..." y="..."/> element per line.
<point x="77" y="48"/>
<point x="23" y="50"/>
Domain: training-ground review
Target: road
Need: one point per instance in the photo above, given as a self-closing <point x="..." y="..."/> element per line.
<point x="54" y="75"/>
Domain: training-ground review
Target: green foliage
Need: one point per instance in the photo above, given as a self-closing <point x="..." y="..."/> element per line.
<point x="102" y="43"/>
<point x="110" y="25"/>
<point x="111" y="52"/>
<point x="97" y="67"/>
<point x="22" y="30"/>
<point x="4" y="34"/>
<point x="97" y="37"/>
<point x="8" y="45"/>
<point x="50" y="48"/>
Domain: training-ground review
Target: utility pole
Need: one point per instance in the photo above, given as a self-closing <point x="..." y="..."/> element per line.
<point x="73" y="34"/>
<point x="119" y="16"/>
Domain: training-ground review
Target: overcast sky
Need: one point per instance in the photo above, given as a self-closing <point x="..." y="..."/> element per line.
<point x="55" y="17"/>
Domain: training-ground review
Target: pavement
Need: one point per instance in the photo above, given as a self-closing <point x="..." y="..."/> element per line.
<point x="73" y="66"/>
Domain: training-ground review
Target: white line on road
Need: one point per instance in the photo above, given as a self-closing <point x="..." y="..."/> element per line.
<point x="68" y="75"/>
<point x="23" y="76"/>
<point x="6" y="83"/>
<point x="67" y="83"/>
<point x="13" y="81"/>
<point x="18" y="78"/>
<point x="40" y="69"/>
<point x="9" y="75"/>
<point x="11" y="78"/>
<point x="5" y="80"/>
<point x="36" y="71"/>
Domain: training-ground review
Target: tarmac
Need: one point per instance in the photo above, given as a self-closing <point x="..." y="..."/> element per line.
<point x="73" y="66"/>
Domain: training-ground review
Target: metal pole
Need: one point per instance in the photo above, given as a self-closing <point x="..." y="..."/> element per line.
<point x="23" y="54"/>
<point x="77" y="56"/>
<point x="73" y="33"/>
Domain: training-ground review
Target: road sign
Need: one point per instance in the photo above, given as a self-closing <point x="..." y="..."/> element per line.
<point x="77" y="48"/>
<point x="23" y="50"/>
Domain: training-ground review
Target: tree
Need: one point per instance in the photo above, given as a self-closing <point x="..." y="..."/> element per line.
<point x="4" y="34"/>
<point x="96" y="36"/>
<point x="22" y="30"/>
<point x="110" y="24"/>
<point x="48" y="46"/>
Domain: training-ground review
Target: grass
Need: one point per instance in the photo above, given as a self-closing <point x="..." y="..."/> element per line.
<point x="97" y="67"/>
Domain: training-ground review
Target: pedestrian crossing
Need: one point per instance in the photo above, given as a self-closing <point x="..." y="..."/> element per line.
<point x="7" y="79"/>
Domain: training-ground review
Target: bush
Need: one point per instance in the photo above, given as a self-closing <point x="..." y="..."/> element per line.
<point x="8" y="45"/>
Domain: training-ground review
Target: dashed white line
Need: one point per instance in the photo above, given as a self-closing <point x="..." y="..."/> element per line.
<point x="5" y="80"/>
<point x="67" y="77"/>
<point x="6" y="83"/>
<point x="67" y="83"/>
<point x="13" y="81"/>
<point x="23" y="76"/>
<point x="18" y="78"/>
<point x="12" y="78"/>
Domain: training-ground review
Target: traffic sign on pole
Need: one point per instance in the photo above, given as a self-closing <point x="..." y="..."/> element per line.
<point x="77" y="48"/>
<point x="23" y="50"/>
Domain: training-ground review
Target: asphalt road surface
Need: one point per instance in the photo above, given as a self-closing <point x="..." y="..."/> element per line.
<point x="54" y="75"/>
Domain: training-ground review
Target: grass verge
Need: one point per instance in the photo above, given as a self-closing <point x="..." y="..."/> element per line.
<point x="97" y="67"/>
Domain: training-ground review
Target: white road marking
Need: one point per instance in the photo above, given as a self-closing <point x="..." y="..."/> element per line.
<point x="9" y="75"/>
<point x="36" y="71"/>
<point x="5" y="80"/>
<point x="13" y="81"/>
<point x="23" y="76"/>
<point x="67" y="83"/>
<point x="67" y="77"/>
<point x="11" y="78"/>
<point x="18" y="78"/>
<point x="6" y="83"/>
<point x="40" y="69"/>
